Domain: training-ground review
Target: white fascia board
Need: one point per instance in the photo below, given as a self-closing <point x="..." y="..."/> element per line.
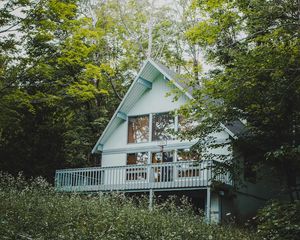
<point x="119" y="107"/>
<point x="229" y="132"/>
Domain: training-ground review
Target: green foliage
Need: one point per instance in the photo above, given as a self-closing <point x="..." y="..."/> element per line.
<point x="254" y="47"/>
<point x="55" y="97"/>
<point x="35" y="211"/>
<point x="279" y="221"/>
<point x="65" y="66"/>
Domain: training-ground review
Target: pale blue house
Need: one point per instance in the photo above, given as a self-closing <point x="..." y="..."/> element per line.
<point x="139" y="153"/>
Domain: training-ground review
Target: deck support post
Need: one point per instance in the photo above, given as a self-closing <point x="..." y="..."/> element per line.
<point x="208" y="204"/>
<point x="151" y="194"/>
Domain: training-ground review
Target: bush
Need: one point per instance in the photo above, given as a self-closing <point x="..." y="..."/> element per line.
<point x="279" y="221"/>
<point x="34" y="210"/>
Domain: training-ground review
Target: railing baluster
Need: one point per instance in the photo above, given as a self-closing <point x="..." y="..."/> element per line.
<point x="161" y="175"/>
<point x="68" y="179"/>
<point x="110" y="175"/>
<point x="90" y="178"/>
<point x="115" y="178"/>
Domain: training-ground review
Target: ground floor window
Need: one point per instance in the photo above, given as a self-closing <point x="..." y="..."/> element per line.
<point x="137" y="172"/>
<point x="162" y="157"/>
<point x="137" y="158"/>
<point x="187" y="155"/>
<point x="162" y="173"/>
<point x="189" y="169"/>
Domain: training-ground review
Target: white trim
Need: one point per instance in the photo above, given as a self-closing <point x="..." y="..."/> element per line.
<point x="228" y="131"/>
<point x="119" y="107"/>
<point x="129" y="90"/>
<point x="170" y="78"/>
<point x="151" y="148"/>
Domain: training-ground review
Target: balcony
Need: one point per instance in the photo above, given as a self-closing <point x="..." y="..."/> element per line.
<point x="131" y="178"/>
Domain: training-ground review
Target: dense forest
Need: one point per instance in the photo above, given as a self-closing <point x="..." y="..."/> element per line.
<point x="66" y="64"/>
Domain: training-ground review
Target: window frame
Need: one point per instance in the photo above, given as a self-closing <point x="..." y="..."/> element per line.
<point x="175" y="119"/>
<point x="143" y="152"/>
<point x="150" y="127"/>
<point x="136" y="116"/>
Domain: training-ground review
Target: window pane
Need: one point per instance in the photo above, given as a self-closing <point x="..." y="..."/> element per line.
<point x="186" y="155"/>
<point x="168" y="157"/>
<point x="137" y="173"/>
<point x="137" y="158"/>
<point x="138" y="129"/>
<point x="162" y="125"/>
<point x="188" y="169"/>
<point x="185" y="124"/>
<point x="163" y="173"/>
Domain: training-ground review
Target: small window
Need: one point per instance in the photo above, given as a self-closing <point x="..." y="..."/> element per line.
<point x="187" y="155"/>
<point x="137" y="158"/>
<point x="162" y="126"/>
<point x="138" y="129"/>
<point x="167" y="157"/>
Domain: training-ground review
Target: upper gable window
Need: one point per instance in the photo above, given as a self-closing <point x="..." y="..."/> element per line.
<point x="162" y="126"/>
<point x="138" y="129"/>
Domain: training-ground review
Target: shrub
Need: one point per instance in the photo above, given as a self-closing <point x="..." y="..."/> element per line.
<point x="279" y="221"/>
<point x="34" y="210"/>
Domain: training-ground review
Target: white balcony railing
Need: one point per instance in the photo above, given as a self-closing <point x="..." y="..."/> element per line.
<point x="173" y="175"/>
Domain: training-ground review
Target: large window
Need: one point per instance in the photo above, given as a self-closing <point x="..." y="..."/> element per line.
<point x="138" y="129"/>
<point x="162" y="126"/>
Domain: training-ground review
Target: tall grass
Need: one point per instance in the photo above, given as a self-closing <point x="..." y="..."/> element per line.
<point x="34" y="210"/>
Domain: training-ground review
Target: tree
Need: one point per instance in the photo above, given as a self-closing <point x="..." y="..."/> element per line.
<point x="143" y="29"/>
<point x="254" y="47"/>
<point x="55" y="94"/>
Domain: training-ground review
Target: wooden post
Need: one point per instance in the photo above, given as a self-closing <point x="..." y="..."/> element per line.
<point x="208" y="204"/>
<point x="151" y="199"/>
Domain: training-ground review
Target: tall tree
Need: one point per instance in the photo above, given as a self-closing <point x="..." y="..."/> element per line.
<point x="254" y="46"/>
<point x="59" y="98"/>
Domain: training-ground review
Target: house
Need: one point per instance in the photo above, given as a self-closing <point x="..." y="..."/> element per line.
<point x="140" y="153"/>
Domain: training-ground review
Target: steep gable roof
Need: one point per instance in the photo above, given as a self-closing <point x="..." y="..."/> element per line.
<point x="143" y="82"/>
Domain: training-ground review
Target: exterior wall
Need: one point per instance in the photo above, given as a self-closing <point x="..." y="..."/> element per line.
<point x="152" y="101"/>
<point x="112" y="160"/>
<point x="220" y="137"/>
<point x="252" y="196"/>
<point x="156" y="100"/>
<point x="115" y="149"/>
<point x="249" y="197"/>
